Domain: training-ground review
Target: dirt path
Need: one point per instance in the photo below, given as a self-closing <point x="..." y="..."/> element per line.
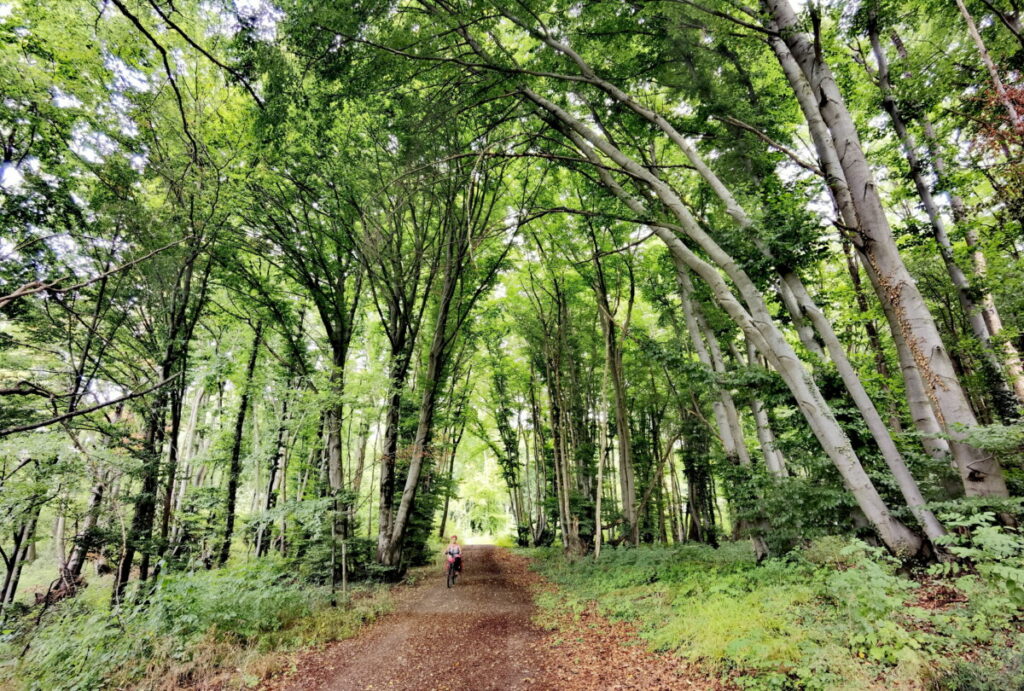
<point x="479" y="635"/>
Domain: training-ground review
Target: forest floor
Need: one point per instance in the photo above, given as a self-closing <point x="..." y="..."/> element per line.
<point x="482" y="634"/>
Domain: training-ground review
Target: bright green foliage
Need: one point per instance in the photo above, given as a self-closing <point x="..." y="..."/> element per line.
<point x="834" y="615"/>
<point x="410" y="219"/>
<point x="193" y="624"/>
<point x="984" y="550"/>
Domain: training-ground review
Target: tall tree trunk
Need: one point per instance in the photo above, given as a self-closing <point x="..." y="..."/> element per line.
<point x="871" y="330"/>
<point x="876" y="426"/>
<point x="447" y="498"/>
<point x="735" y="450"/>
<point x="24" y="536"/>
<point x="710" y="353"/>
<point x="145" y="503"/>
<point x="1004" y="400"/>
<point x="979" y="471"/>
<point x="772" y="455"/>
<point x="177" y="395"/>
<point x="993" y="321"/>
<point x="274" y="480"/>
<point x="400" y="361"/>
<point x="993" y="71"/>
<point x="432" y="382"/>
<point x="678" y="515"/>
<point x="235" y="463"/>
<point x="759" y="325"/>
<point x="92" y="514"/>
<point x="602" y="459"/>
<point x="627" y="480"/>
<point x="60" y="551"/>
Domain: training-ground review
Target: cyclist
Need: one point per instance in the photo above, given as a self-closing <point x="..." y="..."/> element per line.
<point x="454" y="552"/>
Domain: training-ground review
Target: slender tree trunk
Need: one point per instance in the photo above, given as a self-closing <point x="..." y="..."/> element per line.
<point x="447" y="499"/>
<point x="602" y="458"/>
<point x="60" y="551"/>
<point x="177" y="395"/>
<point x="997" y="83"/>
<point x="92" y="514"/>
<point x="1003" y="398"/>
<point x="145" y="505"/>
<point x="235" y="463"/>
<point x="558" y="450"/>
<point x="436" y="361"/>
<point x="871" y="330"/>
<point x="726" y="428"/>
<point x="678" y="515"/>
<point x="273" y="480"/>
<point x="993" y="322"/>
<point x="772" y="455"/>
<point x="980" y="471"/>
<point x="893" y="458"/>
<point x="627" y="480"/>
<point x="759" y="326"/>
<point x="400" y="360"/>
<point x="19" y="555"/>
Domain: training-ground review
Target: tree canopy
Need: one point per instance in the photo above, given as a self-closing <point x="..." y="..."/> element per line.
<point x="323" y="279"/>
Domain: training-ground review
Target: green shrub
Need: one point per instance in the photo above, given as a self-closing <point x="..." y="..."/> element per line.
<point x="190" y="625"/>
<point x="835" y="614"/>
<point x="994" y="552"/>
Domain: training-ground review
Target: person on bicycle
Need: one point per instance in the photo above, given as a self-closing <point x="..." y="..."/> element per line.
<point x="453" y="553"/>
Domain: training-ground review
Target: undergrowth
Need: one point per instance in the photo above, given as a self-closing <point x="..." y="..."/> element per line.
<point x="837" y="614"/>
<point x="233" y="622"/>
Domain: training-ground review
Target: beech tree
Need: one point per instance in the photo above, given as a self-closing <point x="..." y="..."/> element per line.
<point x="274" y="276"/>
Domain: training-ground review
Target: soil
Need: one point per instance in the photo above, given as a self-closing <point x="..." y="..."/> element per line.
<point x="481" y="634"/>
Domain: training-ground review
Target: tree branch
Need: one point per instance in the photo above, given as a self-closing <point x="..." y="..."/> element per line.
<point x="85" y="411"/>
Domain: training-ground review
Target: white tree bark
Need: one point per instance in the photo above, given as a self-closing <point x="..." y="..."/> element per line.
<point x="773" y="457"/>
<point x="979" y="471"/>
<point x="726" y="416"/>
<point x="973" y="312"/>
<point x="757" y="324"/>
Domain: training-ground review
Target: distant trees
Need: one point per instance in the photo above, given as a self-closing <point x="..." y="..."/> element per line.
<point x="683" y="271"/>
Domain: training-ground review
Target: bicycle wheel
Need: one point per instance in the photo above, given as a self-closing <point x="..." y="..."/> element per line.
<point x="451" y="576"/>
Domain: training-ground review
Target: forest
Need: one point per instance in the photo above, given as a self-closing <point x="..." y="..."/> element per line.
<point x="697" y="303"/>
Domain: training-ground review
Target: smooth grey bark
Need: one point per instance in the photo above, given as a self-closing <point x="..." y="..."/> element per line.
<point x="459" y="245"/>
<point x="773" y="457"/>
<point x="602" y="458"/>
<point x="705" y="344"/>
<point x="964" y="291"/>
<point x="757" y="324"/>
<point x="275" y="478"/>
<point x="993" y="321"/>
<point x="798" y="300"/>
<point x="876" y="426"/>
<point x="980" y="471"/>
<point x="613" y="360"/>
<point x="792" y="282"/>
<point x="921" y="410"/>
<point x="92" y="513"/>
<point x="734" y="448"/>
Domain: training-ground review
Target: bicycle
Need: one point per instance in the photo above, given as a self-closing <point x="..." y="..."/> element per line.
<point x="452" y="570"/>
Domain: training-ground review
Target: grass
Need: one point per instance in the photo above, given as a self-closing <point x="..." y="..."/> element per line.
<point x="837" y="615"/>
<point x="235" y="624"/>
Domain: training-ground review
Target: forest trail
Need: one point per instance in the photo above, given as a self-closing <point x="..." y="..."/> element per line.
<point x="480" y="635"/>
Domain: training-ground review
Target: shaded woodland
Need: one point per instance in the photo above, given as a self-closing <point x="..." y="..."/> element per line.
<point x="683" y="272"/>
